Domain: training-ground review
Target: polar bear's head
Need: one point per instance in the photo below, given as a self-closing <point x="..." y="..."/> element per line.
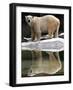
<point x="28" y="19"/>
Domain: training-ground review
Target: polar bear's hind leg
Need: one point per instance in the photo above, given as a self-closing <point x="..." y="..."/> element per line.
<point x="57" y="30"/>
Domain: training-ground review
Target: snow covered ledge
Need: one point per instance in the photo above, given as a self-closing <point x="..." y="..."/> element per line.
<point x="54" y="45"/>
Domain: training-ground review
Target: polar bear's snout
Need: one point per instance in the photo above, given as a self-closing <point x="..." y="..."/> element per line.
<point x="28" y="20"/>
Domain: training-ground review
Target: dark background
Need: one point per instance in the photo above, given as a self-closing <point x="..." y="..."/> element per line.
<point x="26" y="32"/>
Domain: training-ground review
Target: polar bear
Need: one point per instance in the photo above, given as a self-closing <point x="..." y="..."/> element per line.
<point x="44" y="24"/>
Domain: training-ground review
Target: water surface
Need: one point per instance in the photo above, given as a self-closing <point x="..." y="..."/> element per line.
<point x="42" y="63"/>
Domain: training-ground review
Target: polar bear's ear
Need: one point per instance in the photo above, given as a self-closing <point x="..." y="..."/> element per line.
<point x="32" y="16"/>
<point x="25" y="16"/>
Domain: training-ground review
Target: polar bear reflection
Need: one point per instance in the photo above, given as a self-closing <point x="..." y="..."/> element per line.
<point x="43" y="66"/>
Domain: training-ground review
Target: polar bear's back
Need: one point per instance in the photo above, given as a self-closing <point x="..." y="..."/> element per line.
<point x="48" y="21"/>
<point x="49" y="18"/>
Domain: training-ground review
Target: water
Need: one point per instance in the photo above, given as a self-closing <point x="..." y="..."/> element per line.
<point x="42" y="63"/>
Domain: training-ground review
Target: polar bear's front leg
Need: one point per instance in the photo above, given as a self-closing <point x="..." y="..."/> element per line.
<point x="38" y="36"/>
<point x="37" y="31"/>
